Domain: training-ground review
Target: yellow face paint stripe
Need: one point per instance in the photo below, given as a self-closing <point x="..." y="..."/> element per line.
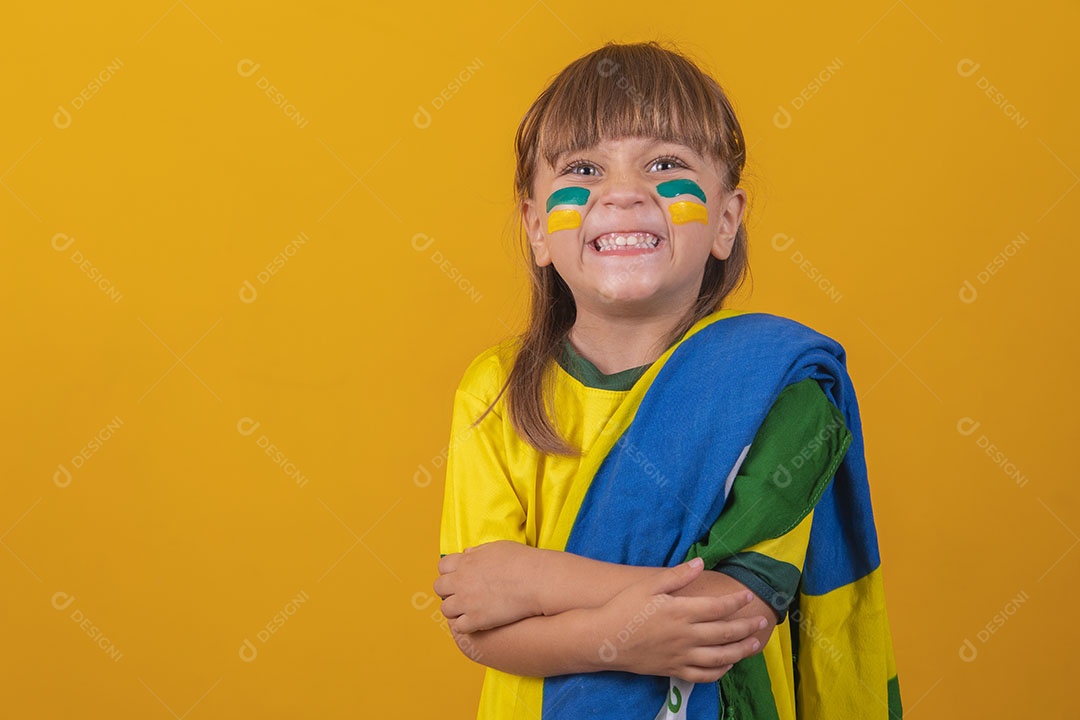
<point x="563" y="220"/>
<point x="684" y="212"/>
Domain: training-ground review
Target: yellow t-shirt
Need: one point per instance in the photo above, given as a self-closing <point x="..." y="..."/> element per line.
<point x="500" y="488"/>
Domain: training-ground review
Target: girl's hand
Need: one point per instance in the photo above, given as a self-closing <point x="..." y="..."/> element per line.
<point x="649" y="632"/>
<point x="489" y="585"/>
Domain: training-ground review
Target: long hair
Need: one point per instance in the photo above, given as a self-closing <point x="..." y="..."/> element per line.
<point x="616" y="91"/>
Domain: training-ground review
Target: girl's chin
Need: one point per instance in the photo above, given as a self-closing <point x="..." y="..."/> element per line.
<point x="626" y="297"/>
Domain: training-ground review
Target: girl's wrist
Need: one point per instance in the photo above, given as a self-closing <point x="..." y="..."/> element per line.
<point x="596" y="649"/>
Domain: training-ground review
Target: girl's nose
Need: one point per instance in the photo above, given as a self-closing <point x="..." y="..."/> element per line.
<point x="624" y="189"/>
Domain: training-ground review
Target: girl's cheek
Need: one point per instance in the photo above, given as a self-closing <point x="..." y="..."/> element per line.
<point x="561" y="207"/>
<point x="690" y="209"/>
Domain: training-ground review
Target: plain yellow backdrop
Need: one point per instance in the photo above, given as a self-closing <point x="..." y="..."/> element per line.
<point x="251" y="248"/>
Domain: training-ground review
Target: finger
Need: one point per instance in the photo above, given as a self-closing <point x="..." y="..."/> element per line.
<point x="723" y="632"/>
<point x="708" y="608"/>
<point x="451" y="607"/>
<point x="463" y="625"/>
<point x="449" y="563"/>
<point x="675" y="578"/>
<point x="703" y="674"/>
<point x="723" y="654"/>
<point x="443" y="585"/>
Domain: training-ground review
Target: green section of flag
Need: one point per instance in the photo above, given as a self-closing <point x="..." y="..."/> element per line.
<point x="772" y="580"/>
<point x="746" y="691"/>
<point x="782" y="481"/>
<point x="896" y="711"/>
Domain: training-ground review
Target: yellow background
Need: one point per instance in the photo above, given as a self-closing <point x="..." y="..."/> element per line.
<point x="180" y="180"/>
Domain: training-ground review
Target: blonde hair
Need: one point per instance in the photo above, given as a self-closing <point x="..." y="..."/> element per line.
<point x="619" y="90"/>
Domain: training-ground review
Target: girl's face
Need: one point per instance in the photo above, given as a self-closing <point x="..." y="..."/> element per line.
<point x="629" y="224"/>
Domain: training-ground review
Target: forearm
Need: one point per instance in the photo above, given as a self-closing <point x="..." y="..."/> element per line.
<point x="570" y="581"/>
<point x="539" y="646"/>
<point x="648" y="628"/>
<point x="566" y="581"/>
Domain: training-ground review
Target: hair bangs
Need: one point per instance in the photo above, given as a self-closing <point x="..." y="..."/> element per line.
<point x="631" y="91"/>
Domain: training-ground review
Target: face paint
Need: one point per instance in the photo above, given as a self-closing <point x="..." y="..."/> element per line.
<point x="563" y="220"/>
<point x="671" y="188"/>
<point x="684" y="211"/>
<point x="568" y="196"/>
<point x="566" y="219"/>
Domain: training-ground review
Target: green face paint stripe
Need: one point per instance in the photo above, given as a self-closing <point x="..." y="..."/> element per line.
<point x="671" y="188"/>
<point x="568" y="196"/>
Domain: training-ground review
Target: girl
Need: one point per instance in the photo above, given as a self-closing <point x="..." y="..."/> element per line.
<point x="655" y="506"/>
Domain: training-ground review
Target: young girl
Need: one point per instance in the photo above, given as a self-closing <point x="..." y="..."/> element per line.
<point x="656" y="507"/>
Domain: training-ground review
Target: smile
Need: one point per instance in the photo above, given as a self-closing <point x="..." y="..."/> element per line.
<point x="616" y="241"/>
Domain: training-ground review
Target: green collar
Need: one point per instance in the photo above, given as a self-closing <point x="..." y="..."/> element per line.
<point x="588" y="375"/>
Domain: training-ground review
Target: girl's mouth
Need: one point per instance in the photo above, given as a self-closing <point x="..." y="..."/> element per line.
<point x="626" y="243"/>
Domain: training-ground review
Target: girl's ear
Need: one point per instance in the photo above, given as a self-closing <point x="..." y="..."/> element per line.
<point x="534" y="224"/>
<point x="731" y="213"/>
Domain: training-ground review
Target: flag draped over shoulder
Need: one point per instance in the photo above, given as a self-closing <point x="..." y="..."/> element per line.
<point x="665" y="482"/>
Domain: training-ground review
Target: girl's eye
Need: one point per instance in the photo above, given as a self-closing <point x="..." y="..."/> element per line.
<point x="671" y="160"/>
<point x="577" y="165"/>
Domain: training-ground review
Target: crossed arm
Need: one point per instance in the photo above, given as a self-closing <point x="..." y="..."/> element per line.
<point x="536" y="612"/>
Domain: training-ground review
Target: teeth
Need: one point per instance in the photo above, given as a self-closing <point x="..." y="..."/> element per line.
<point x="613" y="240"/>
